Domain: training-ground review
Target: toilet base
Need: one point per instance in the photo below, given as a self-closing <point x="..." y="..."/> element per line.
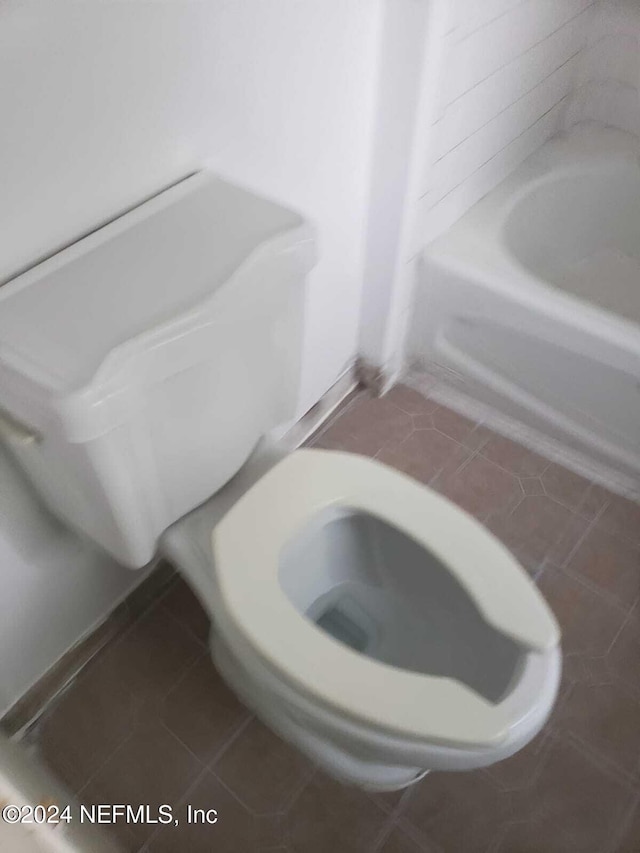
<point x="353" y="751"/>
<point x="336" y="759"/>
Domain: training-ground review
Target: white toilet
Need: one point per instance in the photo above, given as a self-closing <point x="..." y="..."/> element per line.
<point x="365" y="618"/>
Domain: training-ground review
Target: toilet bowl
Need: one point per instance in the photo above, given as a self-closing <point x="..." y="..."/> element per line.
<point x="362" y="616"/>
<point x="377" y="626"/>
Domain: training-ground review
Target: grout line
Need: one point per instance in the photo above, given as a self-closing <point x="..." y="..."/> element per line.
<point x="630" y="615"/>
<point x="623" y="826"/>
<point x="598" y="591"/>
<point x="571" y="554"/>
<point x="178" y="802"/>
<point x="463" y="464"/>
<point x="393" y="818"/>
<point x="592" y="524"/>
<point x="525" y="494"/>
<point x="184" y="673"/>
<point x="385" y="831"/>
<point x="228" y="743"/>
<point x="137" y="725"/>
<point x="605" y="506"/>
<point x="180" y="741"/>
<point x="236" y="796"/>
<point x="93" y="775"/>
<point x="184" y="627"/>
<point x="297" y="792"/>
<point x="495" y="515"/>
<point x="600" y="512"/>
<point x="508" y="470"/>
<point x="417" y="835"/>
<point x="602" y="761"/>
<point x="115" y="641"/>
<point x="404" y="799"/>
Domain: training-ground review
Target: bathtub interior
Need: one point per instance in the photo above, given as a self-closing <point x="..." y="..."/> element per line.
<point x="581" y="232"/>
<point x="373" y="588"/>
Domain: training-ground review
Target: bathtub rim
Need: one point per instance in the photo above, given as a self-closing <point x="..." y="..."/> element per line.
<point x="476" y="246"/>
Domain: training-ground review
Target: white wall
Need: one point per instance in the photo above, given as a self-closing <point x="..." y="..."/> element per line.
<point x="402" y="46"/>
<point x="102" y="104"/>
<point x="609" y="73"/>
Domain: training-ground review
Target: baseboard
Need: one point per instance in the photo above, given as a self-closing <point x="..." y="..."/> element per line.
<point x="376" y="380"/>
<point x="319" y="414"/>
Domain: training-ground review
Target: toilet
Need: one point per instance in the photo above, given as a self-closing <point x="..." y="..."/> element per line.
<point x="146" y="374"/>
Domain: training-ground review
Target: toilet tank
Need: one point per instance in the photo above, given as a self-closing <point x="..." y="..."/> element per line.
<point x="140" y="366"/>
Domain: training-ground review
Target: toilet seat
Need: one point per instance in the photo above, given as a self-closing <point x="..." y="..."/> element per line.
<point x="247" y="545"/>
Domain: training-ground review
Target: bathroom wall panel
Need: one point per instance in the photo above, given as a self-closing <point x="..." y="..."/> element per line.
<point x="509" y="68"/>
<point x="469" y="155"/>
<point x="487" y="177"/>
<point x="504" y="88"/>
<point x="504" y="39"/>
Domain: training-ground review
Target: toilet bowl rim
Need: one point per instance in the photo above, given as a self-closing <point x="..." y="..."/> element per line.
<point x="296" y="490"/>
<point x="523" y="716"/>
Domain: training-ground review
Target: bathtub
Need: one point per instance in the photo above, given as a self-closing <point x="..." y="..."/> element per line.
<point x="532" y="300"/>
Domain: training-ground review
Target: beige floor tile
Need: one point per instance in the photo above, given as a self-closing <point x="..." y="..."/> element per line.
<point x="612" y="564"/>
<point x="514" y="457"/>
<point x="202" y="711"/>
<point x="575" y="806"/>
<point x="262" y="770"/>
<point x="328" y="817"/>
<point x="184" y="606"/>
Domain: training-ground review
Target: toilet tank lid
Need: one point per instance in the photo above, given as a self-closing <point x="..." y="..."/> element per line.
<point x="142" y="278"/>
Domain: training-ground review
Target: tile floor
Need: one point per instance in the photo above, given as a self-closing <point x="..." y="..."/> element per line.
<point x="150" y="721"/>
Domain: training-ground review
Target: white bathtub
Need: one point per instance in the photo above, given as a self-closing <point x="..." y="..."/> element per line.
<point x="533" y="298"/>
